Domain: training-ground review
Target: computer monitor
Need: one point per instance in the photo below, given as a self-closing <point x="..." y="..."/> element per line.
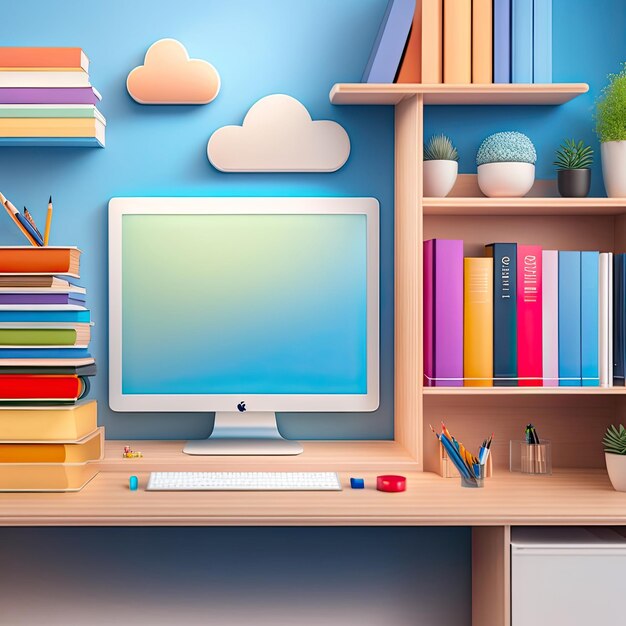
<point x="245" y="307"/>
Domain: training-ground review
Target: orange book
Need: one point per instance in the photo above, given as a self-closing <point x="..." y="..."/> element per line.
<point x="482" y="41"/>
<point x="411" y="64"/>
<point x="44" y="260"/>
<point x="457" y="41"/>
<point x="432" y="41"/>
<point x="478" y="322"/>
<point x="66" y="58"/>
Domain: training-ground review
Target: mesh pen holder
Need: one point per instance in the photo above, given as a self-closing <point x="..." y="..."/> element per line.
<point x="531" y="458"/>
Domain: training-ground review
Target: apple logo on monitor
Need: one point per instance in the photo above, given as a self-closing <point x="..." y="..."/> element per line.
<point x="241" y="407"/>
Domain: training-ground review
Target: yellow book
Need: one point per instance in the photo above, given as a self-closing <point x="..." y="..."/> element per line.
<point x="51" y="127"/>
<point x="457" y="41"/>
<point x="46" y="476"/>
<point x="89" y="448"/>
<point x="432" y="41"/>
<point x="478" y="322"/>
<point x="48" y="424"/>
<point x="482" y="41"/>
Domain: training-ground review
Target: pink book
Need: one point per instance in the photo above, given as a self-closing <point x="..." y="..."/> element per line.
<point x="443" y="313"/>
<point x="550" y="321"/>
<point x="529" y="314"/>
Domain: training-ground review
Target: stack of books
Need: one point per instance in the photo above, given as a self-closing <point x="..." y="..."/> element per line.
<point x="49" y="435"/>
<point x="462" y="42"/>
<point x="523" y="316"/>
<point x="46" y="99"/>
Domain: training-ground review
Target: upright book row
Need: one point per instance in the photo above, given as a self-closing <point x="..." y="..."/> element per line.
<point x="523" y="316"/>
<point x="463" y="41"/>
<point x="49" y="434"/>
<point x="46" y="99"/>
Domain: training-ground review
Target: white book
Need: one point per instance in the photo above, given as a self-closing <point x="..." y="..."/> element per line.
<point x="550" y="317"/>
<point x="603" y="318"/>
<point x="20" y="79"/>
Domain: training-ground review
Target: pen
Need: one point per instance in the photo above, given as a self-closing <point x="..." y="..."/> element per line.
<point x="31" y="221"/>
<point x="21" y="222"/>
<point x="46" y="235"/>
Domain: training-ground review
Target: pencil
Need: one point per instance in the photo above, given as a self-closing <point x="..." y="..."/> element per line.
<point x="46" y="235"/>
<point x="13" y="213"/>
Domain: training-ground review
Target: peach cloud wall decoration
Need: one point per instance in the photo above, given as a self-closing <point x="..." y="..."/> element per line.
<point x="279" y="135"/>
<point x="169" y="76"/>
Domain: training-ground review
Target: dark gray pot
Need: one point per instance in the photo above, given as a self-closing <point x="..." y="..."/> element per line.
<point x="574" y="183"/>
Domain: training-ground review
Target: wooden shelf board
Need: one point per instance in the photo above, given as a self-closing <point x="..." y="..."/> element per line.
<point x="512" y="94"/>
<point x="524" y="206"/>
<point x="523" y="391"/>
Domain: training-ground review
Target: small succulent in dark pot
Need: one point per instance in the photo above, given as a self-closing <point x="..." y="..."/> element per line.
<point x="573" y="161"/>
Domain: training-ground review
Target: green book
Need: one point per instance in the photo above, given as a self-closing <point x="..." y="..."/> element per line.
<point x="88" y="110"/>
<point x="37" y="336"/>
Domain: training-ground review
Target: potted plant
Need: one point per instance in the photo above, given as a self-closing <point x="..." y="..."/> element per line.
<point x="573" y="174"/>
<point x="615" y="455"/>
<point x="441" y="166"/>
<point x="611" y="130"/>
<point x="506" y="165"/>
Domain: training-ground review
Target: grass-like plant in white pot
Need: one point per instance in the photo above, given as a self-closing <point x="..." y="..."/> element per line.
<point x="615" y="455"/>
<point x="441" y="167"/>
<point x="506" y="165"/>
<point x="573" y="161"/>
<point x="611" y="130"/>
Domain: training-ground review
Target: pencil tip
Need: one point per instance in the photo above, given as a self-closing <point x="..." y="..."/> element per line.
<point x="50" y="200"/>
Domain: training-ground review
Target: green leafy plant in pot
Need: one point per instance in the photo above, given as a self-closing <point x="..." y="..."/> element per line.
<point x="440" y="166"/>
<point x="615" y="455"/>
<point x="573" y="161"/>
<point x="611" y="130"/>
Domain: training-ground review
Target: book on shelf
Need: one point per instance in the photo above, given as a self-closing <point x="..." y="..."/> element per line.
<point x="432" y="41"/>
<point x="504" y="257"/>
<point x="34" y="78"/>
<point x="48" y="423"/>
<point x="40" y="281"/>
<point x="482" y="41"/>
<point x="443" y="312"/>
<point x="53" y="127"/>
<point x="502" y="41"/>
<point x="45" y="313"/>
<point x="66" y="370"/>
<point x="619" y="318"/>
<point x="44" y="477"/>
<point x="550" y="317"/>
<point x="522" y="41"/>
<point x="390" y="41"/>
<point x="39" y="388"/>
<point x="44" y="260"/>
<point x="44" y="353"/>
<point x="77" y="336"/>
<point x="605" y="313"/>
<point x="478" y="322"/>
<point x="589" y="321"/>
<point x="569" y="319"/>
<point x="49" y="95"/>
<point x="75" y="111"/>
<point x="51" y="59"/>
<point x="529" y="311"/>
<point x="411" y="64"/>
<point x="51" y="297"/>
<point x="457" y="41"/>
<point x="542" y="41"/>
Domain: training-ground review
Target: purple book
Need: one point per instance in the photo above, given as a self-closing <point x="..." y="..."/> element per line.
<point x="443" y="313"/>
<point x="48" y="95"/>
<point x="502" y="41"/>
<point x="42" y="298"/>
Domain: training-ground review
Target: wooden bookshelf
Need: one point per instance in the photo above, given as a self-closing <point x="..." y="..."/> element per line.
<point x="524" y="391"/>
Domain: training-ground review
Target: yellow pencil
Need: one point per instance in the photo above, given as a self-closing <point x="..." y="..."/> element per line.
<point x="46" y="235"/>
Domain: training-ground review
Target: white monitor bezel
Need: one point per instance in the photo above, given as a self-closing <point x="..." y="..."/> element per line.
<point x="118" y="207"/>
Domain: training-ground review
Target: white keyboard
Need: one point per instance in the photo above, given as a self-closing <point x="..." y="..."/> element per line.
<point x="243" y="481"/>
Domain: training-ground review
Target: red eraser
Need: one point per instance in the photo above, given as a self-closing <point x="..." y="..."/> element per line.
<point x="391" y="483"/>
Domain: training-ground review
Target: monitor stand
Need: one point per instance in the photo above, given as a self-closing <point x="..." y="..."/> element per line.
<point x="249" y="433"/>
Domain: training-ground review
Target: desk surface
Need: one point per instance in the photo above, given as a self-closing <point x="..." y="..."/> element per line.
<point x="567" y="497"/>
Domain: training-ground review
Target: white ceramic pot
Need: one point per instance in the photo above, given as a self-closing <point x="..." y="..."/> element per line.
<point x="439" y="177"/>
<point x="614" y="168"/>
<point x="616" y="467"/>
<point x="506" y="180"/>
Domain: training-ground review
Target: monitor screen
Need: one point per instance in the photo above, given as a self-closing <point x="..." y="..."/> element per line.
<point x="256" y="304"/>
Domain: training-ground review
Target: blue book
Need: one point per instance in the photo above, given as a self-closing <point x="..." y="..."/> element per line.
<point x="619" y="318"/>
<point x="504" y="313"/>
<point x="501" y="41"/>
<point x="542" y="41"/>
<point x="522" y="41"/>
<point x="386" y="54"/>
<point x="569" y="319"/>
<point x="589" y="322"/>
<point x="44" y="353"/>
<point x="81" y="316"/>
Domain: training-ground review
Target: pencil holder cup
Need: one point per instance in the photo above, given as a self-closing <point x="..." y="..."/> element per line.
<point x="531" y="458"/>
<point x="478" y="481"/>
<point x="448" y="470"/>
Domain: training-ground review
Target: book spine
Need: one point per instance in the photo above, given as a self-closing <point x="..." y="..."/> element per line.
<point x="619" y="334"/>
<point x="542" y="41"/>
<point x="37" y="337"/>
<point x="42" y="57"/>
<point x="448" y="312"/>
<point x="39" y="387"/>
<point x="46" y="316"/>
<point x="457" y="41"/>
<point x="603" y="321"/>
<point x="550" y="317"/>
<point x="44" y="353"/>
<point x="529" y="310"/>
<point x="482" y="41"/>
<point x="502" y="41"/>
<point x="411" y="65"/>
<point x="432" y="41"/>
<point x="590" y="376"/>
<point x="478" y="317"/>
<point x="428" y="313"/>
<point x="522" y="41"/>
<point x="610" y="323"/>
<point x="504" y="313"/>
<point x="569" y="319"/>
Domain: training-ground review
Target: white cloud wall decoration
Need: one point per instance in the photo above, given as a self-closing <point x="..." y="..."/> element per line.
<point x="278" y="135"/>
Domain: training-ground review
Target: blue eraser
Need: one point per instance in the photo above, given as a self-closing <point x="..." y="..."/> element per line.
<point x="133" y="483"/>
<point x="357" y="483"/>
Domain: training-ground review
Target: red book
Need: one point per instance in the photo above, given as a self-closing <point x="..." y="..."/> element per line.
<point x="529" y="312"/>
<point x="33" y="387"/>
